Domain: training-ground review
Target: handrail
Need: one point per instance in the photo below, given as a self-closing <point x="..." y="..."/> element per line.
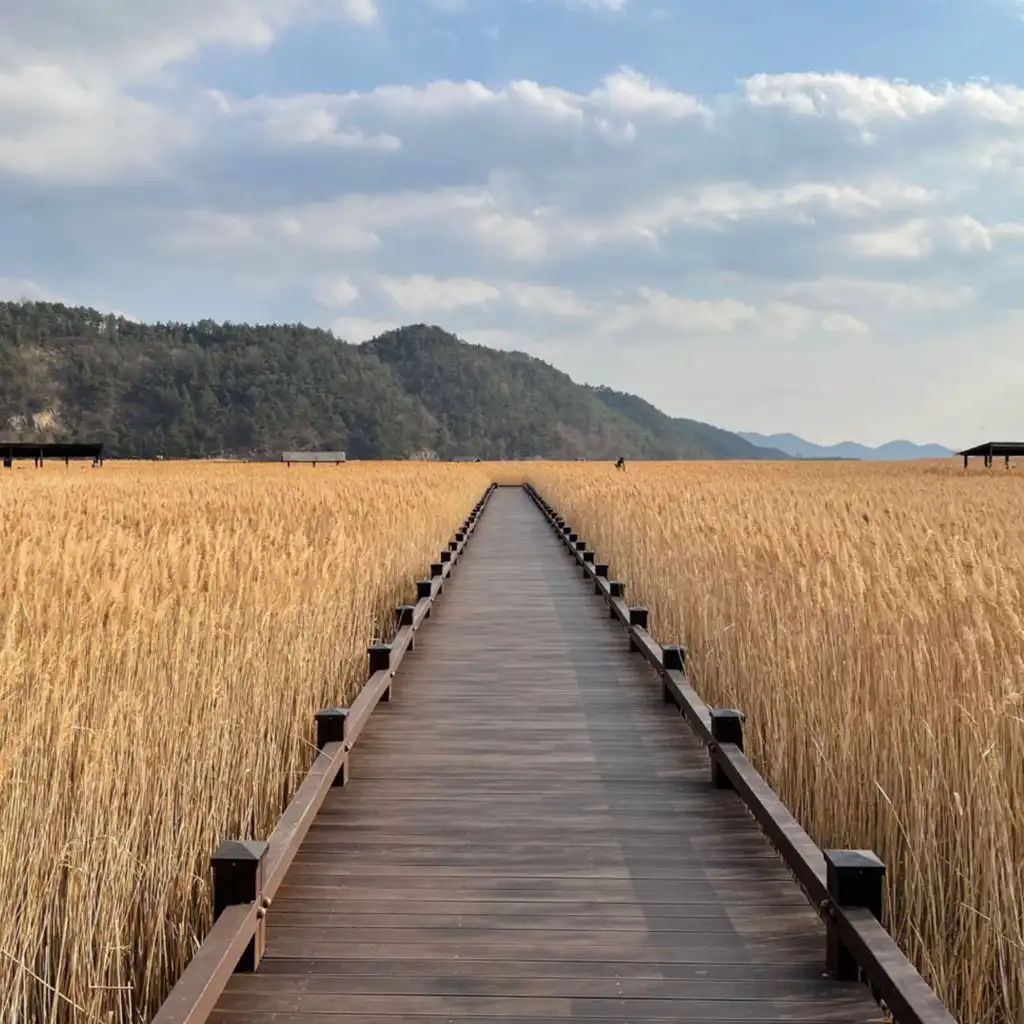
<point x="843" y="886"/>
<point x="248" y="875"/>
<point x="193" y="998"/>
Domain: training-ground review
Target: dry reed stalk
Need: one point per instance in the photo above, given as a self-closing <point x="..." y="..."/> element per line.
<point x="868" y="619"/>
<point x="167" y="634"/>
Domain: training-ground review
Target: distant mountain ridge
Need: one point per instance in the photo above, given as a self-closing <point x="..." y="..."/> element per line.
<point x="892" y="451"/>
<point x="211" y="389"/>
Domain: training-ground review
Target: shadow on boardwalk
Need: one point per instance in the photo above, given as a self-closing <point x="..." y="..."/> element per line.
<point x="529" y="834"/>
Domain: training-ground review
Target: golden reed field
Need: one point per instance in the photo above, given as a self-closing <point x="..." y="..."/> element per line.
<point x="869" y="620"/>
<point x="166" y="634"/>
<point x="169" y="631"/>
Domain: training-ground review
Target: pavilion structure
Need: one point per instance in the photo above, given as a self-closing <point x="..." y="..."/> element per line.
<point x="991" y="450"/>
<point x="38" y="453"/>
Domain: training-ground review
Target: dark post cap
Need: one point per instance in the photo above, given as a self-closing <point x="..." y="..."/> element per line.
<point x="460" y="535"/>
<point x="601" y="569"/>
<point x="855" y="878"/>
<point x="446" y="556"/>
<point x="673" y="657"/>
<point x="616" y="588"/>
<point x="581" y="545"/>
<point x="380" y="657"/>
<point x="423" y="588"/>
<point x="330" y="726"/>
<point x="436" y="568"/>
<point x="588" y="556"/>
<point x="727" y="726"/>
<point x="239" y="850"/>
<point x="404" y="614"/>
<point x="638" y="617"/>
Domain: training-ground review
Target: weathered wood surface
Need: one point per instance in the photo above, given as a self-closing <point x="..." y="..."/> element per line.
<point x="529" y="834"/>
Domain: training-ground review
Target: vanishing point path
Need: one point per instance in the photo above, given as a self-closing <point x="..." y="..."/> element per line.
<point x="529" y="834"/>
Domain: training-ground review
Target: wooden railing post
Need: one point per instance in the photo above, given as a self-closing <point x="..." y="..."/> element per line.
<point x="330" y="728"/>
<point x="237" y="869"/>
<point x="726" y="727"/>
<point x="380" y="657"/>
<point x="855" y="878"/>
<point x="424" y="588"/>
<point x="404" y="614"/>
<point x="380" y="661"/>
<point x="637" y="617"/>
<point x="673" y="659"/>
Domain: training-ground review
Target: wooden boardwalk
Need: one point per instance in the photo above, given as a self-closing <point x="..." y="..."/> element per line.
<point x="529" y="834"/>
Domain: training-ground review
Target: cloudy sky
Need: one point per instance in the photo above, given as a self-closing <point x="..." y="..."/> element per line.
<point x="791" y="215"/>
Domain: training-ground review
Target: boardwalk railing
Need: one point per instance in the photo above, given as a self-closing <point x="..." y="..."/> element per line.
<point x="844" y="886"/>
<point x="246" y="875"/>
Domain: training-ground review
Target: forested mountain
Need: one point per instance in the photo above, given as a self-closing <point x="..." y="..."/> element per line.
<point x="204" y="389"/>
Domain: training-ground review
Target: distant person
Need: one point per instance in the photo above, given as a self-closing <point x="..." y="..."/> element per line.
<point x="621" y="463"/>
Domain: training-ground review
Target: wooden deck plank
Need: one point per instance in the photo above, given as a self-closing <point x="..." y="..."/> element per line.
<point x="530" y="834"/>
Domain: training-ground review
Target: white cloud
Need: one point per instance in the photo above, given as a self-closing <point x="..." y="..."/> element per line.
<point x="920" y="237"/>
<point x="628" y="92"/>
<point x="845" y="97"/>
<point x="545" y="299"/>
<point x="146" y="38"/>
<point x="20" y="289"/>
<point x="362" y="12"/>
<point x="291" y="123"/>
<point x="335" y="292"/>
<point x="68" y="112"/>
<point x="683" y="314"/>
<point x="57" y="127"/>
<point x="599" y="5"/>
<point x="886" y="296"/>
<point x="423" y="293"/>
<point x="358" y="329"/>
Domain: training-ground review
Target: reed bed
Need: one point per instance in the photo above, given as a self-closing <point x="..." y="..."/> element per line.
<point x="868" y="620"/>
<point x="166" y="635"/>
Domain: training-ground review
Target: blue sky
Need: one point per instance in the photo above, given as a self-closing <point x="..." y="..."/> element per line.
<point x="779" y="216"/>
